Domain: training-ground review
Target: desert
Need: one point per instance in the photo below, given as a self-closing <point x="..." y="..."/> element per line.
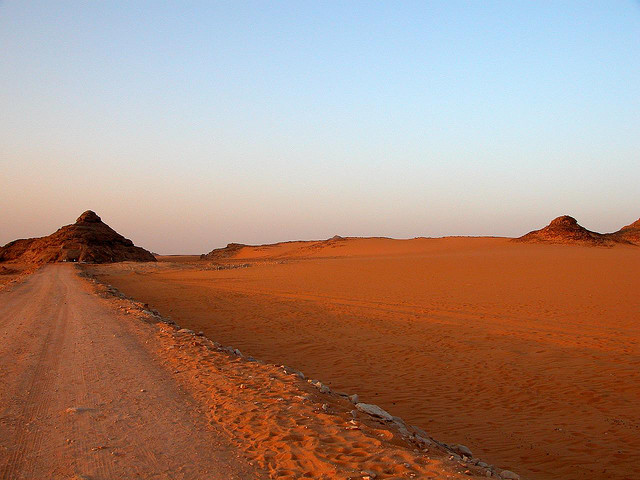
<point x="319" y="240"/>
<point x="98" y="385"/>
<point x="528" y="353"/>
<point x="524" y="351"/>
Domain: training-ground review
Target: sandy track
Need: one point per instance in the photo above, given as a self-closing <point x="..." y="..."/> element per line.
<point x="81" y="397"/>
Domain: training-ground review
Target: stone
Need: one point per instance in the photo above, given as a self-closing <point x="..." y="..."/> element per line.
<point x="422" y="440"/>
<point x="374" y="411"/>
<point x="401" y="426"/>
<point x="320" y="386"/>
<point x="462" y="450"/>
<point x="419" y="431"/>
<point x="509" y="475"/>
<point x="354" y="398"/>
<point x="398" y="420"/>
<point x="292" y="371"/>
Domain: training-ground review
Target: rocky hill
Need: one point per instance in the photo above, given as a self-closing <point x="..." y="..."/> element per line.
<point x="88" y="240"/>
<point x="566" y="230"/>
<point x="630" y="233"/>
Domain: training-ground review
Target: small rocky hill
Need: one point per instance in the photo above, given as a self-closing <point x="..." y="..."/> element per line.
<point x="630" y="233"/>
<point x="88" y="240"/>
<point x="566" y="230"/>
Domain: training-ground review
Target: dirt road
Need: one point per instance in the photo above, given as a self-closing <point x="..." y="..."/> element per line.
<point x="80" y="396"/>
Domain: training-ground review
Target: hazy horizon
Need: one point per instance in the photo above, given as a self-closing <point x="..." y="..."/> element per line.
<point x="186" y="128"/>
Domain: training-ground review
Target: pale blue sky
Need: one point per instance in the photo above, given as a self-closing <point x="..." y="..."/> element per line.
<point x="188" y="125"/>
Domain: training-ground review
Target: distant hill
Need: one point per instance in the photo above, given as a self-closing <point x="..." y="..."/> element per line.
<point x="566" y="230"/>
<point x="630" y="233"/>
<point x="283" y="249"/>
<point x="226" y="252"/>
<point x="88" y="240"/>
<point x="338" y="246"/>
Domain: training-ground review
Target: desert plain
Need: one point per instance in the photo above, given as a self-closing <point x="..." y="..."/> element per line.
<point x="351" y="358"/>
<point x="96" y="385"/>
<point x="527" y="353"/>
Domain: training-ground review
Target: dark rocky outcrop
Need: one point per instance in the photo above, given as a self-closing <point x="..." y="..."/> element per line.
<point x="566" y="230"/>
<point x="88" y="240"/>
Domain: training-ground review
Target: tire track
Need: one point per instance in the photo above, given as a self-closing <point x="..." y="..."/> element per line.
<point x="37" y="383"/>
<point x="80" y="395"/>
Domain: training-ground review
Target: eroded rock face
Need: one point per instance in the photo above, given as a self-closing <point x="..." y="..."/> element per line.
<point x="88" y="240"/>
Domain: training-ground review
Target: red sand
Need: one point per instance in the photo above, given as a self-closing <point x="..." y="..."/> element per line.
<point x="529" y="354"/>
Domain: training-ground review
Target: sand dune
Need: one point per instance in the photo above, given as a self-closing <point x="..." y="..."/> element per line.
<point x="347" y="247"/>
<point x="527" y="353"/>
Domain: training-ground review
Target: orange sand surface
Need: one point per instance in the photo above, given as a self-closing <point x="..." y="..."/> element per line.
<point x="11" y="272"/>
<point x="528" y="354"/>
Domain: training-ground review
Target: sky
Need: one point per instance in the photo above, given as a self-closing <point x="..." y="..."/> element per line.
<point x="189" y="125"/>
